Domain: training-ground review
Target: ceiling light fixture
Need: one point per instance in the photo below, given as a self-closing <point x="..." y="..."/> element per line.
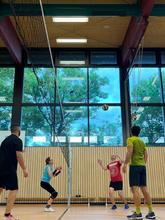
<point x="71" y="19"/>
<point x="71" y="40"/>
<point x="72" y="62"/>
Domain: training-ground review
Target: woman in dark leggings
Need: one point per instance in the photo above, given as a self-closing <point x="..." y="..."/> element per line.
<point x="48" y="173"/>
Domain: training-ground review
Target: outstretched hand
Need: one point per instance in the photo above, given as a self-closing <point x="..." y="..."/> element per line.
<point x="117" y="156"/>
<point x="59" y="168"/>
<point x="99" y="161"/>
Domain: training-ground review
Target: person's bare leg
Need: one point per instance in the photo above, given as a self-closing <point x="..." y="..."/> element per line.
<point x="10" y="201"/>
<point x="136" y="198"/>
<point x="121" y="195"/>
<point x="50" y="201"/>
<point x="111" y="195"/>
<point x="147" y="198"/>
<point x="1" y="190"/>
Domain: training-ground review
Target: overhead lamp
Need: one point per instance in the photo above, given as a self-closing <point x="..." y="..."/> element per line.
<point x="71" y="40"/>
<point x="70" y="19"/>
<point x="73" y="78"/>
<point x="74" y="111"/>
<point x="72" y="62"/>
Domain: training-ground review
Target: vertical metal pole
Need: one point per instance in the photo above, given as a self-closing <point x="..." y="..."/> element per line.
<point x="88" y="108"/>
<point x="162" y="97"/>
<point x="106" y="202"/>
<point x="88" y="202"/>
<point x="54" y="108"/>
<point x="69" y="172"/>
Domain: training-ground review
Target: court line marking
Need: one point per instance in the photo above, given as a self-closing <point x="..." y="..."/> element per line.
<point x="62" y="215"/>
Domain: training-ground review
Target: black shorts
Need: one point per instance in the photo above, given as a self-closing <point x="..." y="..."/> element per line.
<point x="47" y="187"/>
<point x="9" y="181"/>
<point x="116" y="185"/>
<point x="137" y="176"/>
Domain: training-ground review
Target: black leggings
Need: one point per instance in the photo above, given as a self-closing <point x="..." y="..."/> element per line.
<point x="49" y="189"/>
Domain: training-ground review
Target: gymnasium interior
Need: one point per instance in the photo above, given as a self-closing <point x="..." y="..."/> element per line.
<point x="76" y="75"/>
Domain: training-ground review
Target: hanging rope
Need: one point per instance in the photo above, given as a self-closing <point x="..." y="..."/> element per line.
<point x="136" y="84"/>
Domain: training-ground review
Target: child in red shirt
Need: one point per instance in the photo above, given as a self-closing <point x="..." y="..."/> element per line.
<point x="116" y="179"/>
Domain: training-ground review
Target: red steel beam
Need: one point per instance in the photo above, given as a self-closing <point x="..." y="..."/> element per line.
<point x="11" y="39"/>
<point x="135" y="33"/>
<point x="146" y="7"/>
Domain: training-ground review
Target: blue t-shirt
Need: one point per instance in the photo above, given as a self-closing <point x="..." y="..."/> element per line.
<point x="45" y="177"/>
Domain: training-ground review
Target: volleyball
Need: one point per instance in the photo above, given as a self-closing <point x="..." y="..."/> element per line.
<point x="105" y="107"/>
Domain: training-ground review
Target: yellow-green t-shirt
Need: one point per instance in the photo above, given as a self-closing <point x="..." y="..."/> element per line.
<point x="138" y="150"/>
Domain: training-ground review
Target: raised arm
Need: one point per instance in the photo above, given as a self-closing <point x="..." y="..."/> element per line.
<point x="57" y="171"/>
<point x="121" y="161"/>
<point x="101" y="164"/>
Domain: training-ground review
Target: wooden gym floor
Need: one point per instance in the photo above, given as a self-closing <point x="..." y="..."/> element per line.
<point x="77" y="212"/>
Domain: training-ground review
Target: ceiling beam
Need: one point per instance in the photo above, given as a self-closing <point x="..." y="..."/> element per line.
<point x="78" y="10"/>
<point x="135" y="33"/>
<point x="10" y="39"/>
<point x="146" y="7"/>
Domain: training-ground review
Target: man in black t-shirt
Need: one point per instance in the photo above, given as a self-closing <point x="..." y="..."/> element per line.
<point x="10" y="156"/>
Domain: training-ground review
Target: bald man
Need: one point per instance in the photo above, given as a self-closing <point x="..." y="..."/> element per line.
<point x="10" y="155"/>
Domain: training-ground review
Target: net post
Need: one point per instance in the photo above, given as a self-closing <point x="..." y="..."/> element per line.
<point x="69" y="172"/>
<point x="88" y="202"/>
<point x="106" y="201"/>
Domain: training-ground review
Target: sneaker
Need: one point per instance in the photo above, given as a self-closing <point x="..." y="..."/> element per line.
<point x="50" y="209"/>
<point x="10" y="217"/>
<point x="135" y="216"/>
<point x="114" y="207"/>
<point x="126" y="206"/>
<point x="151" y="215"/>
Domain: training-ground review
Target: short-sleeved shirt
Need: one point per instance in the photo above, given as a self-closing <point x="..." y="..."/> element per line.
<point x="115" y="171"/>
<point x="8" y="157"/>
<point x="45" y="176"/>
<point x="139" y="148"/>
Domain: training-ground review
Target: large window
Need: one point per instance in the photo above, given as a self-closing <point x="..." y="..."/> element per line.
<point x="72" y="84"/>
<point x="78" y="88"/>
<point x="81" y="83"/>
<point x="38" y="123"/>
<point x="5" y="118"/>
<point x="145" y="85"/>
<point x="6" y="98"/>
<point x="147" y="104"/>
<point x="105" y="126"/>
<point x="6" y="85"/>
<point x="74" y="125"/>
<point x="104" y="85"/>
<point x="39" y="85"/>
<point x="150" y="119"/>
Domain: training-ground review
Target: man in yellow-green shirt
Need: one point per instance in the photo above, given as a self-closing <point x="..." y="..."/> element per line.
<point x="137" y="156"/>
